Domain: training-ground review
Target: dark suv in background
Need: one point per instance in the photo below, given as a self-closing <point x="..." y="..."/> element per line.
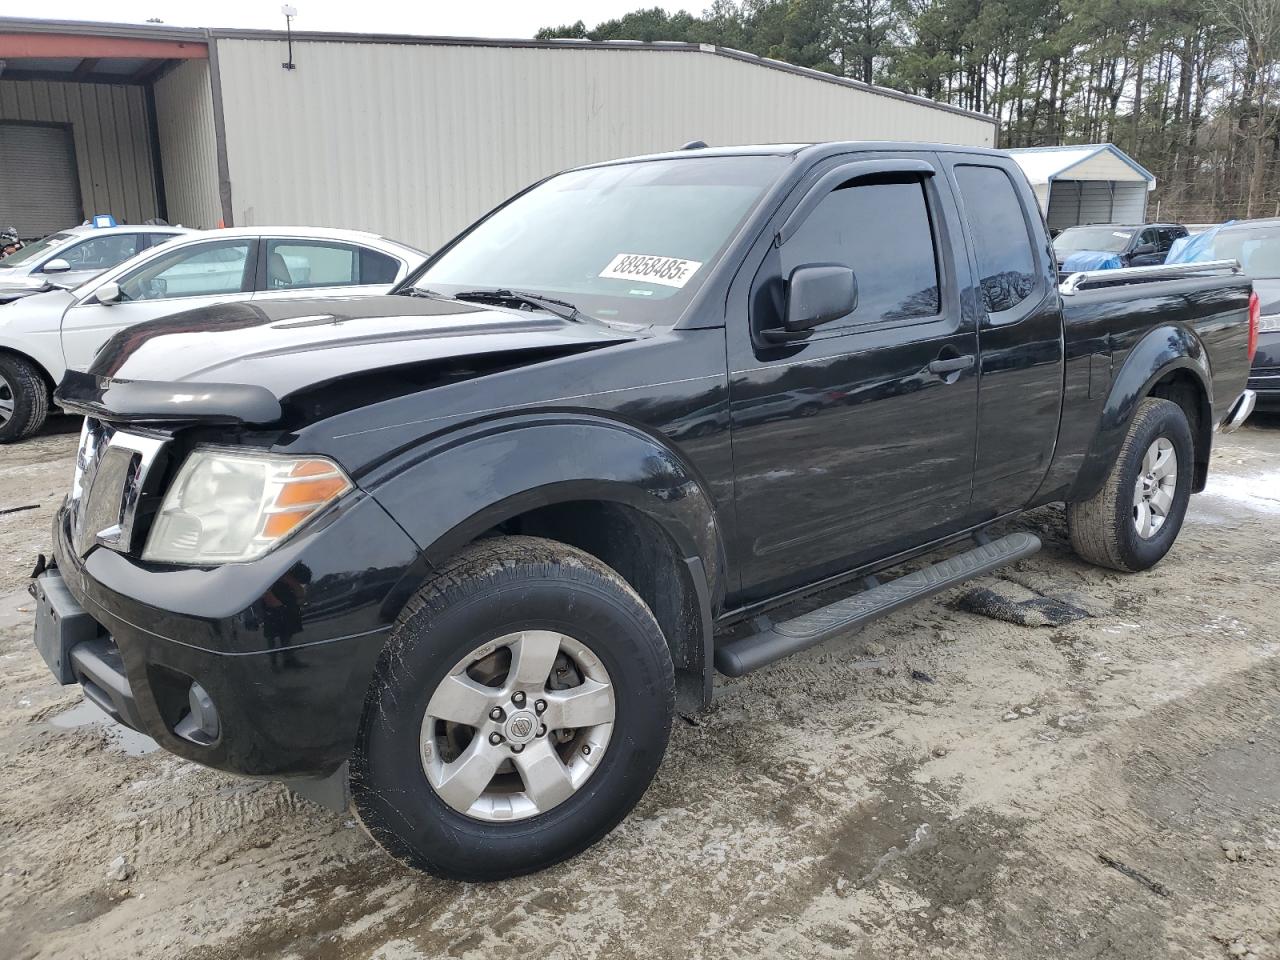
<point x="1137" y="245"/>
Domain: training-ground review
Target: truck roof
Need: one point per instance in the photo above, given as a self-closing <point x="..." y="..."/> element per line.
<point x="807" y="150"/>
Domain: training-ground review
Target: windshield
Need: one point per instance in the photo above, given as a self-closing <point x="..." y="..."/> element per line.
<point x="33" y="250"/>
<point x="1257" y="249"/>
<point x="1109" y="239"/>
<point x="629" y="242"/>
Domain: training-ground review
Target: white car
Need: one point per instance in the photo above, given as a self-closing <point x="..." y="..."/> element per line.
<point x="43" y="336"/>
<point x="71" y="257"/>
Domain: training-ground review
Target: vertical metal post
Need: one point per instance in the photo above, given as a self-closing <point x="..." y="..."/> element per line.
<point x="289" y="13"/>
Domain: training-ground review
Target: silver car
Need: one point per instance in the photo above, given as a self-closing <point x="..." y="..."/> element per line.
<point x="44" y="335"/>
<point x="71" y="257"/>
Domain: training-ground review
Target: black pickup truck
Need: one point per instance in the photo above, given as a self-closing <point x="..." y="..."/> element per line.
<point x="456" y="554"/>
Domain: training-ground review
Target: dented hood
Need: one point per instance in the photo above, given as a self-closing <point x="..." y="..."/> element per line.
<point x="238" y="361"/>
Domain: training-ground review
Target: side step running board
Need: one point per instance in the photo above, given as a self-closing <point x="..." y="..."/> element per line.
<point x="809" y="629"/>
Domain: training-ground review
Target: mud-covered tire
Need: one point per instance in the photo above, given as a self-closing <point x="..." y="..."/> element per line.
<point x="24" y="398"/>
<point x="491" y="590"/>
<point x="1102" y="528"/>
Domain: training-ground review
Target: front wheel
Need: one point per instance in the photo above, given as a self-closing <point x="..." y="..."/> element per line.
<point x="24" y="398"/>
<point x="520" y="710"/>
<point x="1131" y="523"/>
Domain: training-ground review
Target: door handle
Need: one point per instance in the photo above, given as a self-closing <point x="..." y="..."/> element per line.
<point x="951" y="364"/>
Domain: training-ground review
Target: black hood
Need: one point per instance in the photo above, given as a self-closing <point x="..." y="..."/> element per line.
<point x="239" y="361"/>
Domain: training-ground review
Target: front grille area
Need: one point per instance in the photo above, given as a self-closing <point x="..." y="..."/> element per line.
<point x="112" y="469"/>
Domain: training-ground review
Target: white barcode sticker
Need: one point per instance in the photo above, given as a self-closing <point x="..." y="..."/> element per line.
<point x="668" y="271"/>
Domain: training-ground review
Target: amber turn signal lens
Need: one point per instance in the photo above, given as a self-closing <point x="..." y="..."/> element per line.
<point x="278" y="524"/>
<point x="312" y="468"/>
<point x="306" y="492"/>
<point x="308" y="487"/>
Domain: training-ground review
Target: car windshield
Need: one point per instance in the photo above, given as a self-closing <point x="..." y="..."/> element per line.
<point x="1109" y="239"/>
<point x="33" y="250"/>
<point x="629" y="242"/>
<point x="1257" y="249"/>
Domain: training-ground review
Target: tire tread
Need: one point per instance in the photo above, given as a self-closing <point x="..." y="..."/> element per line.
<point x="31" y="391"/>
<point x="1094" y="524"/>
<point x="468" y="574"/>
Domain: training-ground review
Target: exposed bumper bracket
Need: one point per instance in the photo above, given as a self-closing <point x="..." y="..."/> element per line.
<point x="1239" y="412"/>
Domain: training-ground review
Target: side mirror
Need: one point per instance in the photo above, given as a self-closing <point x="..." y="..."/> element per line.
<point x="108" y="293"/>
<point x="56" y="265"/>
<point x="817" y="293"/>
<point x="1144" y="249"/>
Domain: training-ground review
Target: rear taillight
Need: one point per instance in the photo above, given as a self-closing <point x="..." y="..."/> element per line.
<point x="1255" y="318"/>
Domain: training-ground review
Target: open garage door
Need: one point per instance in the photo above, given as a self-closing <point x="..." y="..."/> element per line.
<point x="39" y="189"/>
<point x="1073" y="202"/>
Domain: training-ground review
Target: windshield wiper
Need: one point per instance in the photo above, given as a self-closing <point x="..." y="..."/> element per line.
<point x="424" y="293"/>
<point x="561" y="308"/>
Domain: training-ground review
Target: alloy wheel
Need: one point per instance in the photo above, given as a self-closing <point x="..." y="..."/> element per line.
<point x="517" y="726"/>
<point x="1154" y="489"/>
<point x="7" y="401"/>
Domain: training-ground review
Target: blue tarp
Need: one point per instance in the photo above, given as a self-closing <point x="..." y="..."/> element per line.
<point x="1195" y="249"/>
<point x="1091" y="260"/>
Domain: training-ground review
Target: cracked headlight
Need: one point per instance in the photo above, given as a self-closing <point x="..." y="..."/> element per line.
<point x="228" y="507"/>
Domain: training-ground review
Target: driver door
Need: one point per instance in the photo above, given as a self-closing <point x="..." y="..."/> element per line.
<point x="855" y="441"/>
<point x="187" y="278"/>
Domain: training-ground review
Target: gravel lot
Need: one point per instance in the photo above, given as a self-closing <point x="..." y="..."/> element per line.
<point x="943" y="784"/>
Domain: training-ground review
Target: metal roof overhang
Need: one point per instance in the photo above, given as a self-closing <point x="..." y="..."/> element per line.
<point x="41" y="51"/>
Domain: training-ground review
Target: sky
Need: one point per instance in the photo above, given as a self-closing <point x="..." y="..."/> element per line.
<point x="460" y="18"/>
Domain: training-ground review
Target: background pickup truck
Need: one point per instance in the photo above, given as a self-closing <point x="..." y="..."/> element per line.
<point x="457" y="553"/>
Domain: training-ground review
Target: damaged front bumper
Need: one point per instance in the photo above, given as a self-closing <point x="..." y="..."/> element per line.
<point x="259" y="669"/>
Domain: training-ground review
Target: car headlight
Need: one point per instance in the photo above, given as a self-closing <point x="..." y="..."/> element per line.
<point x="227" y="507"/>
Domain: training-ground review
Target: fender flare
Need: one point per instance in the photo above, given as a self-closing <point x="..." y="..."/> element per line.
<point x="1160" y="352"/>
<point x="449" y="490"/>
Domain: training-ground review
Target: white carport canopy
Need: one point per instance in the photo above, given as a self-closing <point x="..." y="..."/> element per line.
<point x="1090" y="183"/>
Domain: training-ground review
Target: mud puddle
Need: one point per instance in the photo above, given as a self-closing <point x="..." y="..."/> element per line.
<point x="86" y="715"/>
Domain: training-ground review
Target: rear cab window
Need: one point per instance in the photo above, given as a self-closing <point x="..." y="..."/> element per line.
<point x="1002" y="239"/>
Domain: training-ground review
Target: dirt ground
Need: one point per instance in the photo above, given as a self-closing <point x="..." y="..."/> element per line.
<point x="944" y="784"/>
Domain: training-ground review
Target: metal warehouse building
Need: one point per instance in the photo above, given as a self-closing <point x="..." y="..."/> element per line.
<point x="412" y="137"/>
<point x="1090" y="183"/>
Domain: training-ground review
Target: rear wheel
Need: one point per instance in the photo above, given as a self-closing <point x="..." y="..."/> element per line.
<point x="519" y="712"/>
<point x="24" y="398"/>
<point x="1131" y="523"/>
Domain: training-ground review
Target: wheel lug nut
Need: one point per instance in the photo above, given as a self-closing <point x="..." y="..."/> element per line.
<point x="495" y="713"/>
<point x="518" y="699"/>
<point x="540" y="705"/>
<point x="542" y="730"/>
<point x="586" y="749"/>
<point x="495" y="738"/>
<point x="517" y="747"/>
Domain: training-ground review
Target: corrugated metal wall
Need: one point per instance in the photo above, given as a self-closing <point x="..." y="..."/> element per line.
<point x="1075" y="202"/>
<point x="188" y="151"/>
<point x="416" y="140"/>
<point x="110" y="129"/>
